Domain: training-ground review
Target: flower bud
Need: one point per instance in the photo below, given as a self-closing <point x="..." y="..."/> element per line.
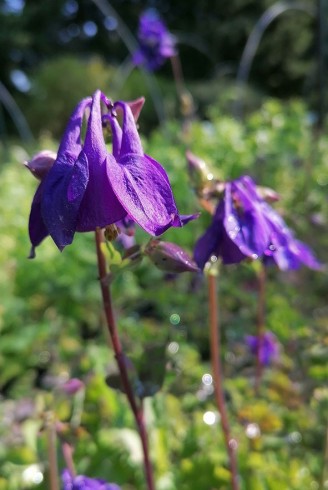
<point x="72" y="386"/>
<point x="169" y="257"/>
<point x="199" y="172"/>
<point x="41" y="163"/>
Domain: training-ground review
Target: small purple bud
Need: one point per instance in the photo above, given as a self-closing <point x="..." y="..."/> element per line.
<point x="41" y="163"/>
<point x="169" y="257"/>
<point x="72" y="386"/>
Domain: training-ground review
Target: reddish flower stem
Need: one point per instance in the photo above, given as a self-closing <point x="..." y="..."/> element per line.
<point x="52" y="454"/>
<point x="67" y="451"/>
<point x="260" y="327"/>
<point x="215" y="344"/>
<point x="117" y="347"/>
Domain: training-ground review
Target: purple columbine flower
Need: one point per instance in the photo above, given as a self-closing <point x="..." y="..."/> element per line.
<point x="238" y="230"/>
<point x="245" y="226"/>
<point x="156" y="43"/>
<point x="81" y="482"/>
<point x="88" y="187"/>
<point x="269" y="350"/>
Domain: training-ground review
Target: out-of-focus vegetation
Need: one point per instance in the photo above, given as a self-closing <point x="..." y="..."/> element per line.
<point x="51" y="328"/>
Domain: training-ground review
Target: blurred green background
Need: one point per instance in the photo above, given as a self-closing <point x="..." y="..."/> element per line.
<point x="51" y="324"/>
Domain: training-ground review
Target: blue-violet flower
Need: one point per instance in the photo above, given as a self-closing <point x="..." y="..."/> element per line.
<point x="245" y="226"/>
<point x="81" y="482"/>
<point x="88" y="187"/>
<point x="156" y="43"/>
<point x="269" y="349"/>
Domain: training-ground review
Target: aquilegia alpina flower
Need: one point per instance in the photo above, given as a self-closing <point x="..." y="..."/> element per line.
<point x="245" y="226"/>
<point x="88" y="187"/>
<point x="156" y="43"/>
<point x="269" y="349"/>
<point x="81" y="482"/>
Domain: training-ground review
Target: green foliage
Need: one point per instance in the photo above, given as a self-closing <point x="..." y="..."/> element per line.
<point x="58" y="86"/>
<point x="51" y="328"/>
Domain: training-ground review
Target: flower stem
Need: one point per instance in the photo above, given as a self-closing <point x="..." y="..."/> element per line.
<point x="215" y="343"/>
<point x="184" y="96"/>
<point x="117" y="347"/>
<point x="67" y="451"/>
<point x="52" y="453"/>
<point x="260" y="326"/>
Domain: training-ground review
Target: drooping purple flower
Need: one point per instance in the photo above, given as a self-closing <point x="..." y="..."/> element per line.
<point x="246" y="226"/>
<point x="81" y="482"/>
<point x="88" y="187"/>
<point x="156" y="43"/>
<point x="269" y="348"/>
<point x="238" y="230"/>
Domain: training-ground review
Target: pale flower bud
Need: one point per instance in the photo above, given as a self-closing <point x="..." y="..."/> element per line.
<point x="41" y="163"/>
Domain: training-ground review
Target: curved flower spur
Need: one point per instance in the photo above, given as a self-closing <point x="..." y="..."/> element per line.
<point x="87" y="187"/>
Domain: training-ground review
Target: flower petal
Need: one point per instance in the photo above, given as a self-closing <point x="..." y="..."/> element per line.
<point x="100" y="206"/>
<point x="71" y="140"/>
<point x="143" y="191"/>
<point x="64" y="189"/>
<point x="37" y="229"/>
<point x="247" y="228"/>
<point x="130" y="139"/>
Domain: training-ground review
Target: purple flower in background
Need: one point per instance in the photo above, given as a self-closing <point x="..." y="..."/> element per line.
<point x="88" y="187"/>
<point x="269" y="349"/>
<point x="239" y="229"/>
<point x="245" y="226"/>
<point x="284" y="250"/>
<point x="81" y="482"/>
<point x="156" y="43"/>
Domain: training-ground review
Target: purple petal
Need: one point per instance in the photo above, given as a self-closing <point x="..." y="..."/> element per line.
<point x="284" y="250"/>
<point x="130" y="139"/>
<point x="37" y="229"/>
<point x="71" y="140"/>
<point x="143" y="191"/>
<point x="64" y="189"/>
<point x="247" y="228"/>
<point x="209" y="243"/>
<point x="116" y="137"/>
<point x="66" y="182"/>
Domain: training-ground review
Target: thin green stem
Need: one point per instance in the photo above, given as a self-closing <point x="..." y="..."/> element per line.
<point x="120" y="359"/>
<point x="215" y="346"/>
